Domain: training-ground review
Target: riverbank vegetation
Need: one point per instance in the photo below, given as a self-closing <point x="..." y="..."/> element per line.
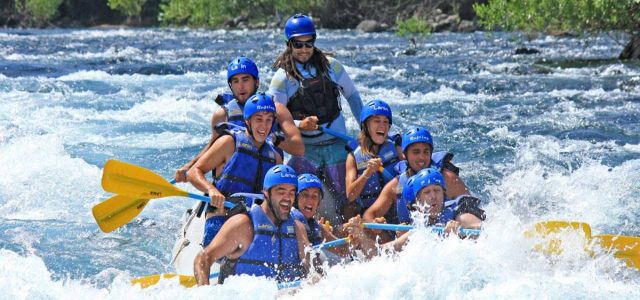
<point x="406" y="17"/>
<point x="566" y="17"/>
<point x="409" y="16"/>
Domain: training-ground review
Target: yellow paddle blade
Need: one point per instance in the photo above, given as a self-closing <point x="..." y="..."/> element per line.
<point x="552" y="234"/>
<point x="117" y="211"/>
<point x="625" y="248"/>
<point x="147" y="281"/>
<point x="136" y="182"/>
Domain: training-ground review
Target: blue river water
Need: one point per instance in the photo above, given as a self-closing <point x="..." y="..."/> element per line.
<point x="535" y="139"/>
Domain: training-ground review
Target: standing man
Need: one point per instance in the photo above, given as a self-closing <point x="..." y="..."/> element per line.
<point x="309" y="83"/>
<point x="243" y="79"/>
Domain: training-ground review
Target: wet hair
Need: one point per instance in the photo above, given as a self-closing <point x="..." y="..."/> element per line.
<point x="286" y="61"/>
<point x="366" y="142"/>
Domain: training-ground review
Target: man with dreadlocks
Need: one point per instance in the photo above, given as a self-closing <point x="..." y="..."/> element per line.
<point x="309" y="83"/>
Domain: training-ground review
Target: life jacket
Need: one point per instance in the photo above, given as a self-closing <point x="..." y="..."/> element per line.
<point x="317" y="96"/>
<point x="314" y="233"/>
<point x="376" y="182"/>
<point x="244" y="172"/>
<point x="272" y="253"/>
<point x="235" y="113"/>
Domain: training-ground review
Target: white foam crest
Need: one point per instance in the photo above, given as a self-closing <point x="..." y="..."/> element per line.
<point x="500" y="68"/>
<point x="171" y="107"/>
<point x="632" y="148"/>
<point x="163" y="140"/>
<point x="502" y="133"/>
<point x="167" y="108"/>
<point x="543" y="183"/>
<point x="431" y="268"/>
<point x="27" y="277"/>
<point x="42" y="181"/>
<point x="600" y="71"/>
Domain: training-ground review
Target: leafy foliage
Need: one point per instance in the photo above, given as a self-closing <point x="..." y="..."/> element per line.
<point x="215" y="12"/>
<point x="131" y="8"/>
<point x="561" y="15"/>
<point x="38" y="11"/>
<point x="413" y="26"/>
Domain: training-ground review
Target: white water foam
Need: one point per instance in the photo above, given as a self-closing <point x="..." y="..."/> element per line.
<point x="545" y="182"/>
<point x="42" y="181"/>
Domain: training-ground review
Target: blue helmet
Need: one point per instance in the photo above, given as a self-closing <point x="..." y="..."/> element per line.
<point x="407" y="191"/>
<point x="299" y="25"/>
<point x="375" y="107"/>
<point x="242" y="65"/>
<point x="280" y="174"/>
<point x="416" y="135"/>
<point x="423" y="179"/>
<point x="259" y="102"/>
<point x="307" y="180"/>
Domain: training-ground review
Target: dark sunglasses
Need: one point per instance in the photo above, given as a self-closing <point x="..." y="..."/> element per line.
<point x="300" y="44"/>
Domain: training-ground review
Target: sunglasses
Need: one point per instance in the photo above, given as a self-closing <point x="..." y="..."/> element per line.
<point x="300" y="44"/>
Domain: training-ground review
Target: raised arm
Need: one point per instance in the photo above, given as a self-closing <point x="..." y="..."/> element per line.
<point x="216" y="155"/>
<point x="347" y="87"/>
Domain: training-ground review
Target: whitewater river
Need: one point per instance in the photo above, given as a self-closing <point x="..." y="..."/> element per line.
<point x="534" y="141"/>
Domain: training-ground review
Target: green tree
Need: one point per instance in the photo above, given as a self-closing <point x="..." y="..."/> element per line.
<point x="37" y="12"/>
<point x="581" y="16"/>
<point x="216" y="12"/>
<point x="131" y="8"/>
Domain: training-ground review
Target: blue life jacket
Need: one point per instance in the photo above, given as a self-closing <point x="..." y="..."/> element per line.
<point x="274" y="250"/>
<point x="314" y="233"/>
<point x="245" y="171"/>
<point x="235" y="113"/>
<point x="449" y="212"/>
<point x="374" y="185"/>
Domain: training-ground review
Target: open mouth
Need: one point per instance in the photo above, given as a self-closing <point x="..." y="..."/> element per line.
<point x="261" y="132"/>
<point x="308" y="209"/>
<point x="285" y="206"/>
<point x="380" y="133"/>
<point x="421" y="164"/>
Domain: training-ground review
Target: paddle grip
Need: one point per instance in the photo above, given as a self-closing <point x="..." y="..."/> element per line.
<point x="227" y="204"/>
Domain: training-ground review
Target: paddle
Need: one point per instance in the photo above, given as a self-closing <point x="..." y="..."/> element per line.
<point x="437" y="229"/>
<point x="136" y="187"/>
<point x="118" y="210"/>
<point x="550" y="232"/>
<point x="137" y="182"/>
<point x="385" y="174"/>
<point x="189" y="281"/>
<point x="626" y="248"/>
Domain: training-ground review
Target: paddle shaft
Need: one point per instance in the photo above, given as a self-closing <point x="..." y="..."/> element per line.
<point x="437" y="229"/>
<point x="385" y="174"/>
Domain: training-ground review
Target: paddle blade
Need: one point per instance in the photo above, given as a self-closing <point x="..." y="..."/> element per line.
<point x="136" y="182"/>
<point x="626" y="248"/>
<point x="553" y="233"/>
<point x="147" y="281"/>
<point x="117" y="211"/>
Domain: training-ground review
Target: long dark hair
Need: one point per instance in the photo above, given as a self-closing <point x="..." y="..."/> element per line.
<point x="366" y="142"/>
<point x="286" y="61"/>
